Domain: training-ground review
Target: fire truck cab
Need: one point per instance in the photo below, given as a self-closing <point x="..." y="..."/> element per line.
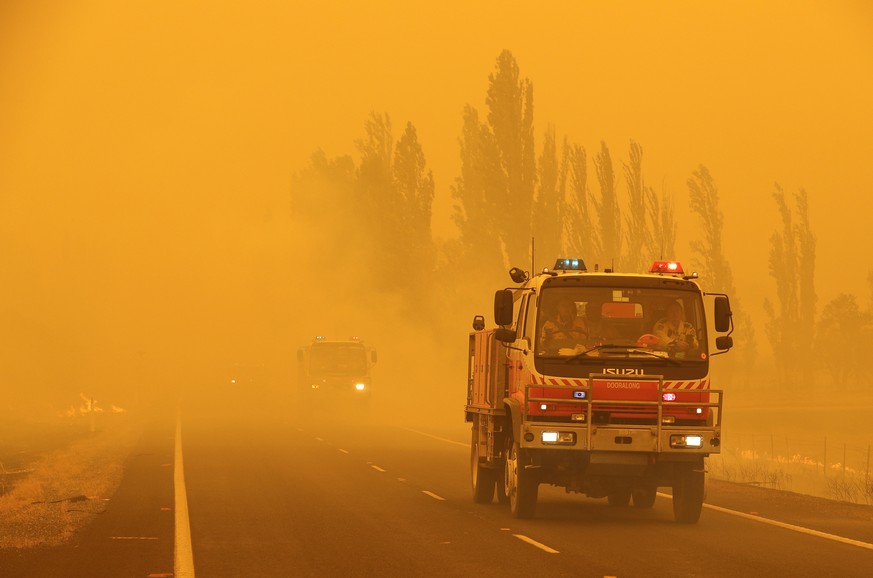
<point x="597" y="382"/>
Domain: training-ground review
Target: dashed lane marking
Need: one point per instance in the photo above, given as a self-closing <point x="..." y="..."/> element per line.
<point x="343" y="451"/>
<point x="533" y="542"/>
<point x="377" y="468"/>
<point x="434" y="496"/>
<point x="421" y="433"/>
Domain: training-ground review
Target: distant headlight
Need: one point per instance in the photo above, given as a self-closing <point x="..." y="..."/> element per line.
<point x="360" y="386"/>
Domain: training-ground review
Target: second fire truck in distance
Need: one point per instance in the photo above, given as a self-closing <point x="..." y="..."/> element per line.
<point x="335" y="373"/>
<point x="597" y="382"/>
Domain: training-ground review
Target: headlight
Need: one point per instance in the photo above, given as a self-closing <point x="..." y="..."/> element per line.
<point x="360" y="386"/>
<point x="566" y="438"/>
<point x="686" y="441"/>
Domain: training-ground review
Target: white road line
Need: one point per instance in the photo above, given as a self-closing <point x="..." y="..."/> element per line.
<point x="183" y="565"/>
<point x="786" y="526"/>
<point x="434" y="496"/>
<point x="343" y="451"/>
<point x="377" y="468"/>
<point x="319" y="440"/>
<point x="421" y="433"/>
<point x="533" y="542"/>
<point x="133" y="538"/>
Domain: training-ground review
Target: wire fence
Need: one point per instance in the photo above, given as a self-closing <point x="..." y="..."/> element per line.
<point x="829" y="468"/>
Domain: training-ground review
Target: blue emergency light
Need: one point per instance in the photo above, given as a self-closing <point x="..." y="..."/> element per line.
<point x="569" y="265"/>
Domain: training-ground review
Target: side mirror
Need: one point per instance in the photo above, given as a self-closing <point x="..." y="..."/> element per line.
<point x="373" y="356"/>
<point x="724" y="342"/>
<point x="722" y="314"/>
<point x="503" y="307"/>
<point x="478" y="322"/>
<point x="504" y="335"/>
<point x="300" y="355"/>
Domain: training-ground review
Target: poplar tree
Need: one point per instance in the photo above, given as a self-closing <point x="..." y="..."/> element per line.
<point x="790" y="325"/>
<point x="638" y="233"/>
<point x="581" y="236"/>
<point x="549" y="206"/>
<point x="475" y="192"/>
<point x="662" y="217"/>
<point x="608" y="212"/>
<point x="415" y="189"/>
<point x="495" y="191"/>
<point x="378" y="198"/>
<point x="707" y="249"/>
<point x="510" y="120"/>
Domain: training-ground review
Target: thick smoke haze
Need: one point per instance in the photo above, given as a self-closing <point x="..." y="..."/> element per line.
<point x="147" y="154"/>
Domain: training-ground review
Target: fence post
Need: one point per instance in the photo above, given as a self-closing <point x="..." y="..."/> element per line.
<point x="867" y="471"/>
<point x="824" y="461"/>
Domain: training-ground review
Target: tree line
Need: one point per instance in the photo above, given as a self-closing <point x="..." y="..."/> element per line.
<point x="517" y="205"/>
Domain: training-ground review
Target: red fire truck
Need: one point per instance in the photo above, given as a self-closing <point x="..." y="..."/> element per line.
<point x="597" y="382"/>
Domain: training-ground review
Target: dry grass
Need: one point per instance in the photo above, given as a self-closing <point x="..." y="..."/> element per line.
<point x="65" y="488"/>
<point x="800" y="474"/>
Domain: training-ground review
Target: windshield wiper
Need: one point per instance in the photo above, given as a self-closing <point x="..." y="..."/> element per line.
<point x="627" y="349"/>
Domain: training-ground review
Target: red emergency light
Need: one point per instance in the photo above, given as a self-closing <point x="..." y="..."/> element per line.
<point x="671" y="267"/>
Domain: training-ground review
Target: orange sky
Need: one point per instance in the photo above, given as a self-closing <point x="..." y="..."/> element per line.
<point x="141" y="143"/>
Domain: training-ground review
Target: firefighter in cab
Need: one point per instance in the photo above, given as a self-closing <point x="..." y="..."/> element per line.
<point x="676" y="334"/>
<point x="565" y="329"/>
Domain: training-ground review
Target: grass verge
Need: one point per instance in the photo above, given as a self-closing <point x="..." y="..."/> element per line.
<point x="56" y="492"/>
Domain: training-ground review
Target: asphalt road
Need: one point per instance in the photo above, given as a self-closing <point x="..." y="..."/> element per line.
<point x="273" y="492"/>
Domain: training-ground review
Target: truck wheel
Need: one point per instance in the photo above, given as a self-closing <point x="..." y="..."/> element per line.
<point x="502" y="487"/>
<point x="521" y="484"/>
<point x="484" y="478"/>
<point x="619" y="498"/>
<point x="688" y="495"/>
<point x="644" y="496"/>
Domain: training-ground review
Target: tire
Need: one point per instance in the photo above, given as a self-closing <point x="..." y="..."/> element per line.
<point x="644" y="496"/>
<point x="688" y="488"/>
<point x="619" y="498"/>
<point x="502" y="487"/>
<point x="522" y="485"/>
<point x="484" y="479"/>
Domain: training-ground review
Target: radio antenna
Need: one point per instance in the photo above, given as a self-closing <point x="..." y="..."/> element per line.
<point x="532" y="254"/>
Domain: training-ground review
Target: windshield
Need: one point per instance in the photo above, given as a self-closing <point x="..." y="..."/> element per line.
<point x="615" y="321"/>
<point x="338" y="359"/>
